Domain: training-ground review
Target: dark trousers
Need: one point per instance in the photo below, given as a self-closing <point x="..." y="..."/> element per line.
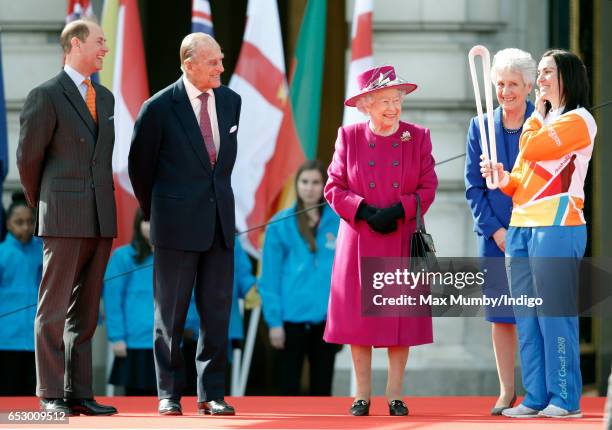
<point x="67" y="314"/>
<point x="301" y="341"/>
<point x="17" y="373"/>
<point x="177" y="273"/>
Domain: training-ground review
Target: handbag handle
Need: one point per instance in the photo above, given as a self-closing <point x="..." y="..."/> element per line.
<point x="420" y="226"/>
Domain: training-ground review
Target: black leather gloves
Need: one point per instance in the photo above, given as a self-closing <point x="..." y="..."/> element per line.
<point x="381" y="220"/>
<point x="385" y="220"/>
<point x="365" y="211"/>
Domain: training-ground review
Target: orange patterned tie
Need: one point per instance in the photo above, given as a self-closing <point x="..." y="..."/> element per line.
<point x="90" y="99"/>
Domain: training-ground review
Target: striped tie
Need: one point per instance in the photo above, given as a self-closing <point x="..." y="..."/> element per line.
<point x="90" y="99"/>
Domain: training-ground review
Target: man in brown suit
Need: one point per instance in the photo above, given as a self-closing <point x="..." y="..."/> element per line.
<point x="64" y="159"/>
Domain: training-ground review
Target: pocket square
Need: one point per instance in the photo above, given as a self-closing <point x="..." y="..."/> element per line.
<point x="233" y="129"/>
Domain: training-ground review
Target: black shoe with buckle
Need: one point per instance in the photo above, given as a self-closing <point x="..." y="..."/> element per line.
<point x="54" y="406"/>
<point x="398" y="408"/>
<point x="169" y="407"/>
<point x="89" y="407"/>
<point x="360" y="408"/>
<point x="215" y="407"/>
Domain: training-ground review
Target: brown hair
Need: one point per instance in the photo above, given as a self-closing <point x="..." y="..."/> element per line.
<point x="572" y="72"/>
<point x="302" y="218"/>
<point x="79" y="29"/>
<point x="139" y="243"/>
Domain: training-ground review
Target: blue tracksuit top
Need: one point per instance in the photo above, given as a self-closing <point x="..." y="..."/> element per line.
<point x="295" y="282"/>
<point x="243" y="281"/>
<point x="128" y="300"/>
<point x="20" y="273"/>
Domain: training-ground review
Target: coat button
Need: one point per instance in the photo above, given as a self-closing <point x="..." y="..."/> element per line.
<point x="395" y="163"/>
<point x="371" y="163"/>
<point x="371" y="144"/>
<point x="372" y="185"/>
<point x="81" y="140"/>
<point x="395" y="185"/>
<point x="395" y="144"/>
<point x="211" y="199"/>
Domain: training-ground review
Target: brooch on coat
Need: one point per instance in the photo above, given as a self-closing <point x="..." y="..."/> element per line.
<point x="405" y="136"/>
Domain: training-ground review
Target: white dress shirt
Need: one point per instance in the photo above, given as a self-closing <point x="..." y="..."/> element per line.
<point x="193" y="93"/>
<point x="78" y="79"/>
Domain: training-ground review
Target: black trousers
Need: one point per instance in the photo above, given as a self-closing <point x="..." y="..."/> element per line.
<point x="177" y="274"/>
<point x="17" y="373"/>
<point x="306" y="340"/>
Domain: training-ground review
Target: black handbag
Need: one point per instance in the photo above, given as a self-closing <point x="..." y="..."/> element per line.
<point x="422" y="248"/>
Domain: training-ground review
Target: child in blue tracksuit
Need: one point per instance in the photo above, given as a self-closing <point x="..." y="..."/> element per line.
<point x="128" y="309"/>
<point x="295" y="281"/>
<point x="20" y="272"/>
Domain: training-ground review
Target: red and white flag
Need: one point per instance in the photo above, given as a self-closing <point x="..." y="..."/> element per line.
<point x="362" y="57"/>
<point x="78" y="9"/>
<point x="269" y="150"/>
<point x="131" y="89"/>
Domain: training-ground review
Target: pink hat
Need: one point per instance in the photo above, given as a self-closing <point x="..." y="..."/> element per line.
<point x="378" y="78"/>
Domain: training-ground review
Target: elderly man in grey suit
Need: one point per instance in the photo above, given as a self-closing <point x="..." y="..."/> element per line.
<point x="64" y="158"/>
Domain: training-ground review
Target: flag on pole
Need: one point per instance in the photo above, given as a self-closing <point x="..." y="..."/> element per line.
<point x="362" y="57"/>
<point x="4" y="160"/>
<point x="78" y="9"/>
<point x="307" y="76"/>
<point x="201" y="17"/>
<point x="110" y="12"/>
<point x="121" y="24"/>
<point x="269" y="150"/>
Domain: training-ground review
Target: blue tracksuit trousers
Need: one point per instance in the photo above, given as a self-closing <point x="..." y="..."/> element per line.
<point x="543" y="262"/>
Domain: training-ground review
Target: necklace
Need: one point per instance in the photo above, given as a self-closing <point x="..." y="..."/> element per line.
<point x="512" y="130"/>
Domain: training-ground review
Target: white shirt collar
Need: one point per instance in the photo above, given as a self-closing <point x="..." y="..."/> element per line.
<point x="553" y="114"/>
<point x="76" y="77"/>
<point x="192" y="91"/>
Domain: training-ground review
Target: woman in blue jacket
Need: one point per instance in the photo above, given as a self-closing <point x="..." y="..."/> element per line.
<point x="128" y="310"/>
<point x="297" y="260"/>
<point x="20" y="272"/>
<point x="513" y="74"/>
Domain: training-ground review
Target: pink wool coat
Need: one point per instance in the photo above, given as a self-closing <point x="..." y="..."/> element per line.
<point x="382" y="171"/>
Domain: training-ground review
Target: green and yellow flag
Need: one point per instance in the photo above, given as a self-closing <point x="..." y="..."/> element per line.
<point x="307" y="76"/>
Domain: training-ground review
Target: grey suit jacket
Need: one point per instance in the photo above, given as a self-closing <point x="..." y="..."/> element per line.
<point x="65" y="160"/>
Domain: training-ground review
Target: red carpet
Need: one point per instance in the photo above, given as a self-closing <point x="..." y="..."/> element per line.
<point x="318" y="413"/>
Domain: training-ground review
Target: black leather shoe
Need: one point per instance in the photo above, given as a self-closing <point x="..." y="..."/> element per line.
<point x="169" y="407"/>
<point x="215" y="407"/>
<point x="89" y="407"/>
<point x="498" y="410"/>
<point x="55" y="405"/>
<point x="360" y="408"/>
<point x="398" y="408"/>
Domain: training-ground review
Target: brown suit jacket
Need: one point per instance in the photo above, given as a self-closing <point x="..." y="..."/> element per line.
<point x="65" y="160"/>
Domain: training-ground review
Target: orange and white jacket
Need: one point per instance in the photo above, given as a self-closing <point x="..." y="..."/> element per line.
<point x="547" y="181"/>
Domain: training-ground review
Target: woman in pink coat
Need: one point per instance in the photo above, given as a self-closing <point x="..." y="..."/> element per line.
<point x="378" y="168"/>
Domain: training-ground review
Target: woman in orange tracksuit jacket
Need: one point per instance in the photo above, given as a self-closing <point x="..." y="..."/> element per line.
<point x="547" y="235"/>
